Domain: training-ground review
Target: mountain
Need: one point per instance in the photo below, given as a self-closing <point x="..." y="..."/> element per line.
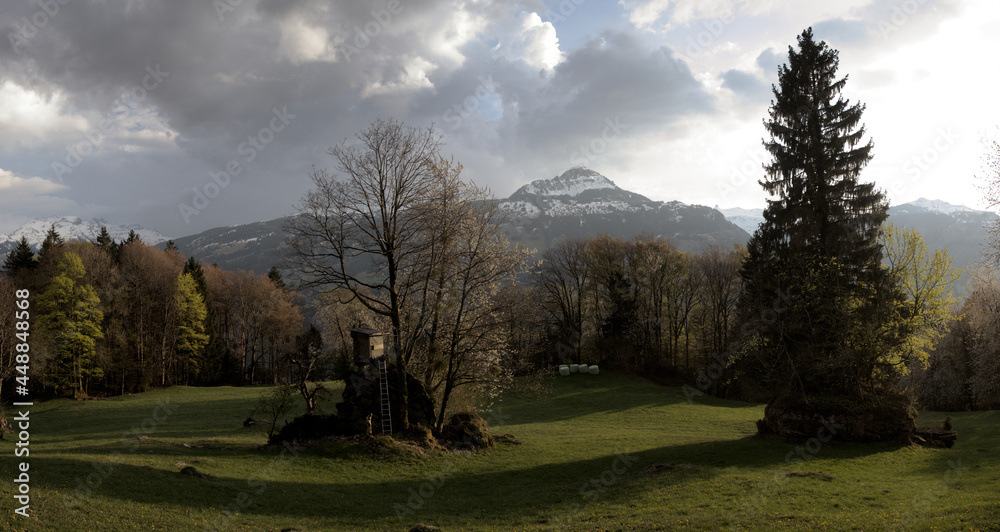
<point x="252" y="247"/>
<point x="73" y="228"/>
<point x="959" y="229"/>
<point x="747" y="219"/>
<point x="581" y="203"/>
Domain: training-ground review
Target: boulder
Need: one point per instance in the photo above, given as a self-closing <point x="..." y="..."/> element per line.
<point x="888" y="417"/>
<point x="467" y="431"/>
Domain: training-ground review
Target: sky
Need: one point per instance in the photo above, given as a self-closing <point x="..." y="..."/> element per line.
<point x="184" y="115"/>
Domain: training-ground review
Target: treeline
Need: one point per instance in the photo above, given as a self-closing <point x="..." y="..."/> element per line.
<point x="645" y="307"/>
<point x="121" y="317"/>
<point x="637" y="305"/>
<point x="964" y="370"/>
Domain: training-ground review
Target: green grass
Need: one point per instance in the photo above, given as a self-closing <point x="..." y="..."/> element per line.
<point x="580" y="467"/>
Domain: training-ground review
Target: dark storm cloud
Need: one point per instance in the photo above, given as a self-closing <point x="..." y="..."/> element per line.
<point x="611" y="77"/>
<point x="230" y="71"/>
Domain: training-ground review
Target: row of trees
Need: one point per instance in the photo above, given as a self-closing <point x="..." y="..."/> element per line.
<point x="124" y="317"/>
<point x="636" y="303"/>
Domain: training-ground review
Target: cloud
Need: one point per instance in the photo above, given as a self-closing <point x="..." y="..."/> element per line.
<point x="531" y="41"/>
<point x="840" y="32"/>
<point x="748" y="87"/>
<point x="645" y="13"/>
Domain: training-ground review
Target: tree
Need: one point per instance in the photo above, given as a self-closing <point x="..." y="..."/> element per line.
<point x="69" y="313"/>
<point x="400" y="233"/>
<point x="925" y="280"/>
<point x="307" y="357"/>
<point x="8" y="334"/>
<point x="52" y="241"/>
<point x="563" y="277"/>
<point x="814" y="265"/>
<point x="720" y="270"/>
<point x="364" y="233"/>
<point x="983" y="315"/>
<point x="20" y="259"/>
<point x="466" y="327"/>
<point x="991" y="189"/>
<point x="275" y="276"/>
<point x="190" y="314"/>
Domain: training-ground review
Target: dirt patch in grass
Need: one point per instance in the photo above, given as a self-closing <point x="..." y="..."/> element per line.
<point x="657" y="468"/>
<point x="811" y="474"/>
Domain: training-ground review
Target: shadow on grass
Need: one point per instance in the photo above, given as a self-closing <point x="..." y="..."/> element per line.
<point x="457" y="486"/>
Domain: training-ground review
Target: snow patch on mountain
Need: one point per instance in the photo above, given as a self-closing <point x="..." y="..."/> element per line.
<point x="571" y="183"/>
<point x="73" y="228"/>
<point x="938" y="206"/>
<point x="746" y="219"/>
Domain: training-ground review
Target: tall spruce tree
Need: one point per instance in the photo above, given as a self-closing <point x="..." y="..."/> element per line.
<point x="821" y="311"/>
<point x="20" y="259"/>
<point x="52" y="241"/>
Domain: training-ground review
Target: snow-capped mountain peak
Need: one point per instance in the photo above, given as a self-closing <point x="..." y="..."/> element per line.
<point x="571" y="183"/>
<point x="578" y="191"/>
<point x="72" y="228"/>
<point x="938" y="206"/>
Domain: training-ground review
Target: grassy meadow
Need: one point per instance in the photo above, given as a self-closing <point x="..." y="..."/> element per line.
<point x="602" y="452"/>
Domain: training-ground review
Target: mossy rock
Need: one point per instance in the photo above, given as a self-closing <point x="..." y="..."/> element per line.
<point x="308" y="428"/>
<point x="882" y="417"/>
<point x="467" y="431"/>
<point x="362" y="397"/>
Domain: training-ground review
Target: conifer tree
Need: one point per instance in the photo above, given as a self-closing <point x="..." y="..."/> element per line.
<point x="104" y="239"/>
<point x="214" y="357"/>
<point x="822" y="312"/>
<point x="20" y="259"/>
<point x="191" y="337"/>
<point x="68" y="310"/>
<point x="51" y="243"/>
<point x="275" y="276"/>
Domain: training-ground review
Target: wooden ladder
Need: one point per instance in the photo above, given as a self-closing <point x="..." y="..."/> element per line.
<point x="384" y="388"/>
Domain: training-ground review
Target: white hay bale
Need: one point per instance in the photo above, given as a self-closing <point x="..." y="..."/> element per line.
<point x="574" y="368"/>
<point x="564" y="371"/>
<point x="583" y="369"/>
<point x="594" y="370"/>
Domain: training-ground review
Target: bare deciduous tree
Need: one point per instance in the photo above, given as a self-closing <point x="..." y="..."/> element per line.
<point x="398" y="231"/>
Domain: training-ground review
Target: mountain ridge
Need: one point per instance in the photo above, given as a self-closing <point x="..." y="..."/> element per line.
<point x="74" y="228"/>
